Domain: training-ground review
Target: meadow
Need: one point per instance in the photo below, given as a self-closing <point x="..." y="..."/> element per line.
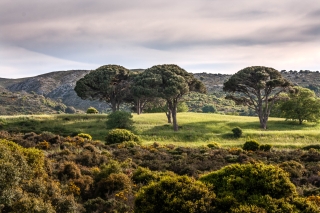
<point x="196" y="129"/>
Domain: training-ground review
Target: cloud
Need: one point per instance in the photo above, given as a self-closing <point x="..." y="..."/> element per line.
<point x="139" y="33"/>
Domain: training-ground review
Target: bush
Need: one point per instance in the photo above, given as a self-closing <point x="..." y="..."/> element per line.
<point x="120" y="120"/>
<point x="92" y="110"/>
<point x="251" y="145"/>
<point x="267" y="188"/>
<point x="121" y="135"/>
<point x="174" y="194"/>
<point x="209" y="109"/>
<point x="237" y="132"/>
<point x="43" y="145"/>
<point x="86" y="136"/>
<point x="182" y="107"/>
<point x="265" y="147"/>
<point x="213" y="145"/>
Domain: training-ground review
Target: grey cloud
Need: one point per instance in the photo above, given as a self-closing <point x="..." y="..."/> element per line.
<point x="314" y="14"/>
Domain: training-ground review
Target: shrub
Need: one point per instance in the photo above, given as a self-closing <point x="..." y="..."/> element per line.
<point x="265" y="147"/>
<point x="209" y="109"/>
<point x="121" y="135"/>
<point x="43" y="145"/>
<point x="120" y="120"/>
<point x="70" y="171"/>
<point x="264" y="186"/>
<point x="182" y="107"/>
<point x="113" y="183"/>
<point x="86" y="136"/>
<point x="174" y="194"/>
<point x="251" y="145"/>
<point x="237" y="132"/>
<point x="92" y="110"/>
<point x="213" y="145"/>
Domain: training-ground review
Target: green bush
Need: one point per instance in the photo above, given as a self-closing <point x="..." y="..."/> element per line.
<point x="175" y="194"/>
<point x="86" y="136"/>
<point x="92" y="110"/>
<point x="214" y="145"/>
<point x="251" y="145"/>
<point x="265" y="147"/>
<point x="121" y="135"/>
<point x="209" y="109"/>
<point x="237" y="132"/>
<point x="266" y="188"/>
<point x="120" y="120"/>
<point x="182" y="107"/>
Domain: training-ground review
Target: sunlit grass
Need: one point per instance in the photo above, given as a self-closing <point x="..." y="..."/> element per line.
<point x="195" y="128"/>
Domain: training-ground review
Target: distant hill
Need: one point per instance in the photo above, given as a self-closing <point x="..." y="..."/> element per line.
<point x="59" y="87"/>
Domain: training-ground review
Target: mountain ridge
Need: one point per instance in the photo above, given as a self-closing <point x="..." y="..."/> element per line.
<point x="59" y="85"/>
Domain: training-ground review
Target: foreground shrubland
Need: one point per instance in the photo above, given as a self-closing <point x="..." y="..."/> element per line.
<point x="51" y="173"/>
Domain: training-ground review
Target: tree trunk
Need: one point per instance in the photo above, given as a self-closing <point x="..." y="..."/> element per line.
<point x="174" y="118"/>
<point x="173" y="107"/>
<point x="113" y="105"/>
<point x="138" y="107"/>
<point x="169" y="115"/>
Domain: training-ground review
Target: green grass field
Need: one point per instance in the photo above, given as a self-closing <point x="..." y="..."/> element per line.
<point x="195" y="128"/>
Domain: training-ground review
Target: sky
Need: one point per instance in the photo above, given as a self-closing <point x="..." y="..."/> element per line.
<point x="213" y="36"/>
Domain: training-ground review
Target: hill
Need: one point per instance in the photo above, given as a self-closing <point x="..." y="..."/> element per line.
<point x="59" y="86"/>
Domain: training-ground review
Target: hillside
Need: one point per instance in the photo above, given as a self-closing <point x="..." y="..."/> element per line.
<point x="59" y="86"/>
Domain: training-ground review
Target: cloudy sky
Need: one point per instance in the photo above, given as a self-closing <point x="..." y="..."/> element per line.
<point x="213" y="36"/>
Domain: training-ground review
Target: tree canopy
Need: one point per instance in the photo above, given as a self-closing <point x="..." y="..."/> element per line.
<point x="302" y="105"/>
<point x="107" y="83"/>
<point x="169" y="82"/>
<point x="258" y="88"/>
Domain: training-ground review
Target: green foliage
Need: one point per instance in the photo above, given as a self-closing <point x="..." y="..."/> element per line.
<point x="107" y="83"/>
<point x="170" y="82"/>
<point x="214" y="145"/>
<point x="303" y="105"/>
<point x="251" y="145"/>
<point x="175" y="194"/>
<point x="24" y="183"/>
<point x="209" y="109"/>
<point x="246" y="84"/>
<point x="237" y="132"/>
<point x="92" y="110"/>
<point x="120" y="119"/>
<point x="86" y="136"/>
<point x="120" y="136"/>
<point x="182" y="107"/>
<point x="265" y="187"/>
<point x="265" y="147"/>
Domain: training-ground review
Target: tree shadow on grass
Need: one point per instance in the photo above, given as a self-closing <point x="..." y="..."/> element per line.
<point x="207" y="130"/>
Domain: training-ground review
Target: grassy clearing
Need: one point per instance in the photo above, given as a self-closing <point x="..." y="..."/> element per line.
<point x="195" y="128"/>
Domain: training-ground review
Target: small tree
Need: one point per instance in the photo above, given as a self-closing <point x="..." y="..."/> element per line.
<point x="303" y="105"/>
